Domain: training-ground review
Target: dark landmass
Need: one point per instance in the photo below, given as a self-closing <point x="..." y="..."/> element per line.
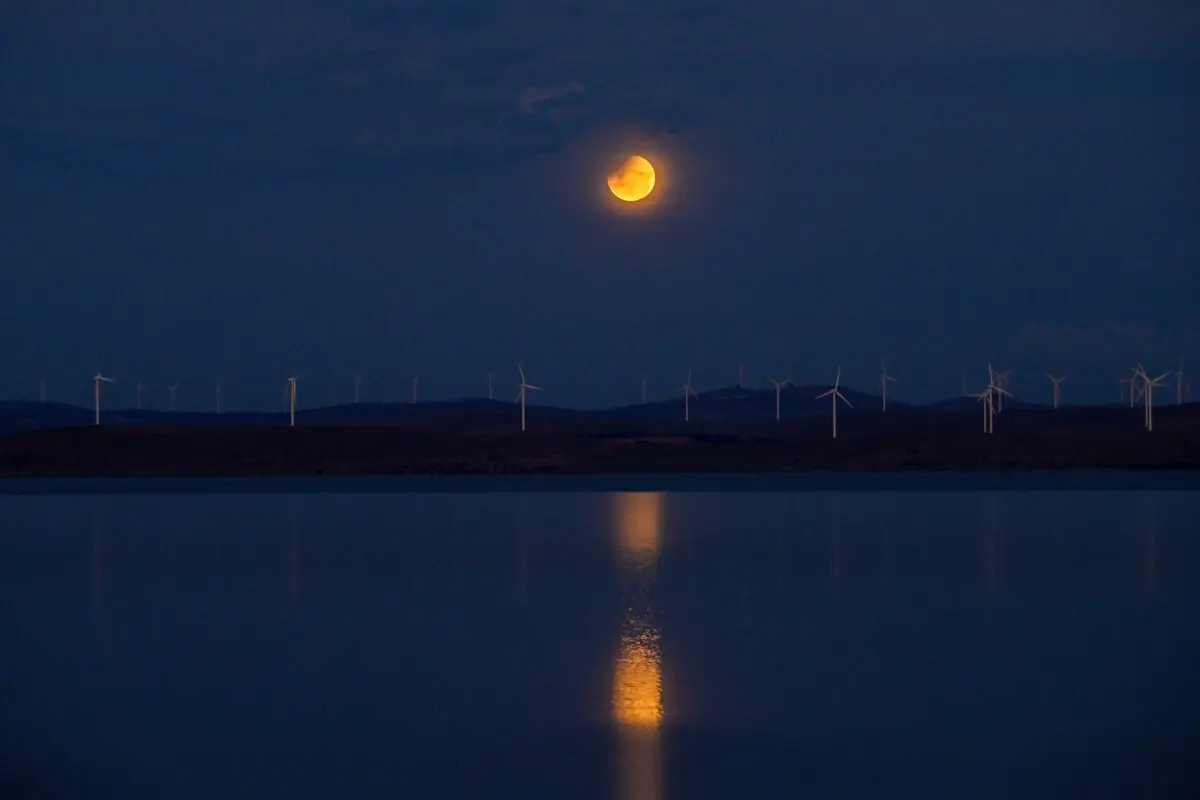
<point x="483" y="438"/>
<point x="725" y="406"/>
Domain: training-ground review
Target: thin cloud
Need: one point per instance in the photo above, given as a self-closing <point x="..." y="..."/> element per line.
<point x="321" y="84"/>
<point x="535" y="97"/>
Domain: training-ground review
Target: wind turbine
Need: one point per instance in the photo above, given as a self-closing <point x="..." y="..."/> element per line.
<point x="1057" y="386"/>
<point x="645" y="383"/>
<point x="357" y="387"/>
<point x="985" y="397"/>
<point x="1148" y="386"/>
<point x="988" y="396"/>
<point x="172" y="389"/>
<point x="1131" y="381"/>
<point x="833" y="394"/>
<point x="1137" y="387"/>
<point x="42" y="390"/>
<point x="778" y="390"/>
<point x="996" y="389"/>
<point x="522" y="388"/>
<point x="141" y="387"/>
<point x="218" y="397"/>
<point x="491" y="376"/>
<point x="994" y="380"/>
<point x="688" y="391"/>
<point x="98" y="379"/>
<point x="883" y="382"/>
<point x="1001" y="381"/>
<point x="414" y="388"/>
<point x="291" y="390"/>
<point x="741" y="375"/>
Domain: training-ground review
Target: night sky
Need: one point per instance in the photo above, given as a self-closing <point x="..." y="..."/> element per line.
<point x="197" y="191"/>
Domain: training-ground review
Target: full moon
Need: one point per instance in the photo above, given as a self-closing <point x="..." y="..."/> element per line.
<point x="633" y="180"/>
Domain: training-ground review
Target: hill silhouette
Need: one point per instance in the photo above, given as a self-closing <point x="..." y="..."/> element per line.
<point x="730" y="429"/>
<point x="727" y="405"/>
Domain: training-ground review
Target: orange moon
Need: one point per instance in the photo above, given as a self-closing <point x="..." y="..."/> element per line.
<point x="633" y="180"/>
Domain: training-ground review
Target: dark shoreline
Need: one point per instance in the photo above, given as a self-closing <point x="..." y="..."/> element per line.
<point x="182" y="452"/>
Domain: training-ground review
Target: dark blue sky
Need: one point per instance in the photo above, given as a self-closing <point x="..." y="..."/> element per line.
<point x="193" y="190"/>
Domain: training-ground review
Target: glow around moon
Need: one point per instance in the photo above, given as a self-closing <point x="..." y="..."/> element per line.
<point x="633" y="180"/>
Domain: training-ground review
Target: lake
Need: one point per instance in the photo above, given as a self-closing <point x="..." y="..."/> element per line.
<point x="631" y="644"/>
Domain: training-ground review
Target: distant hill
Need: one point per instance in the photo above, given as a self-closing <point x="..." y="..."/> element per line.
<point x="728" y="406"/>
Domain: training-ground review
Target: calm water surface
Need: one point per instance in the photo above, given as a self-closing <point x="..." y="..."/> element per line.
<point x="631" y="645"/>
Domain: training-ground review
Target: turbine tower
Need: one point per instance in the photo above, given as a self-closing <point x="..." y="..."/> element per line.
<point x="1131" y="382"/>
<point x="172" y="389"/>
<point x="1057" y="387"/>
<point x="688" y="392"/>
<point x="741" y="375"/>
<point x="988" y="398"/>
<point x="883" y="382"/>
<point x="98" y="379"/>
<point x="491" y="378"/>
<point x="1001" y="379"/>
<point x="1148" y="386"/>
<point x="985" y="397"/>
<point x="834" y="394"/>
<point x="42" y="390"/>
<point x="141" y="387"/>
<point x="522" y="388"/>
<point x="645" y="383"/>
<point x="778" y="390"/>
<point x="357" y="388"/>
<point x="218" y="397"/>
<point x="414" y="389"/>
<point x="291" y="390"/>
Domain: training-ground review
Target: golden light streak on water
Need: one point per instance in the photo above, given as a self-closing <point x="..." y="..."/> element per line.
<point x="637" y="704"/>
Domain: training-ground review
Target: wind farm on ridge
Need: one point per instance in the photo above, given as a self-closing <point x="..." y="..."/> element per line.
<point x="779" y="426"/>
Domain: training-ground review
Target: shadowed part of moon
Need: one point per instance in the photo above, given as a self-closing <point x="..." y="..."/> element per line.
<point x="633" y="180"/>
